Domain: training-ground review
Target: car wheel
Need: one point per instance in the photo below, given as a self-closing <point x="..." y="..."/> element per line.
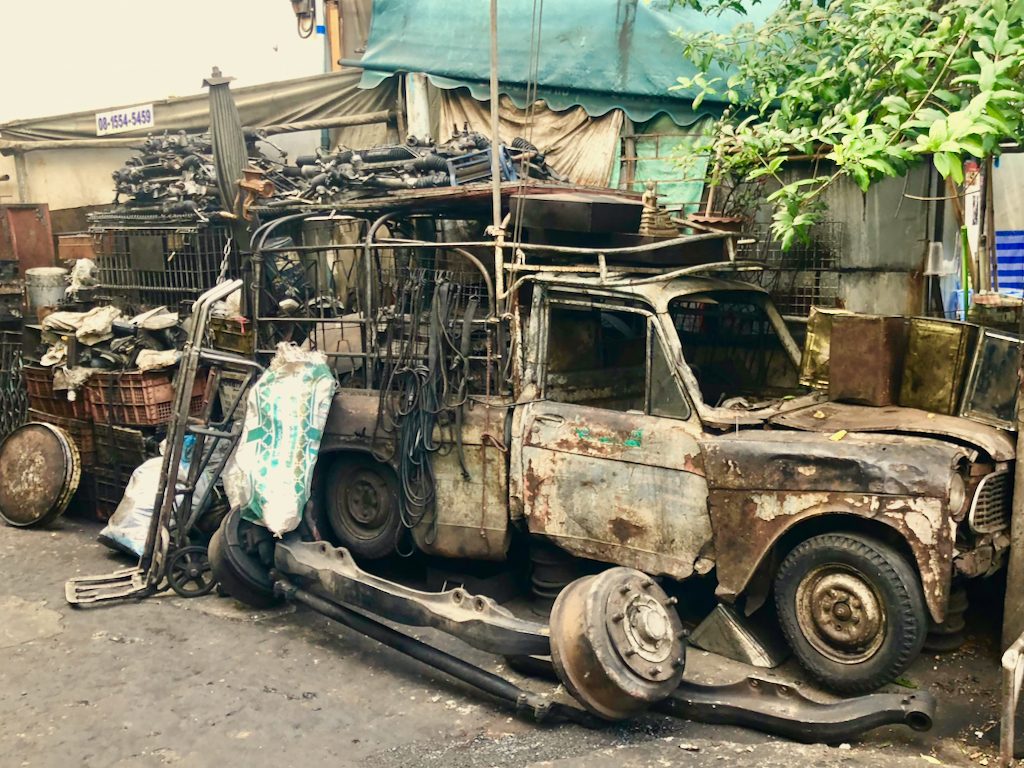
<point x="362" y="506"/>
<point x="852" y="610"/>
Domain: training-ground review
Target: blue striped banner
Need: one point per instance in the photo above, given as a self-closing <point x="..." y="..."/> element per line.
<point x="1010" y="255"/>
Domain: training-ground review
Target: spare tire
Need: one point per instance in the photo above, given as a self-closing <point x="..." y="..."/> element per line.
<point x="241" y="555"/>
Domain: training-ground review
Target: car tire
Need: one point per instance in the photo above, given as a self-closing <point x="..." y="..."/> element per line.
<point x="852" y="609"/>
<point x="361" y="505"/>
<point x="239" y="571"/>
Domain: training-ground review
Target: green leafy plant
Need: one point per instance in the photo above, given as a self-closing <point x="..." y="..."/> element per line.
<point x="865" y="88"/>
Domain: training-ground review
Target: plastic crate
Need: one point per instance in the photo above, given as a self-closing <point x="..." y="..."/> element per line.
<point x="138" y="399"/>
<point x="122" y="445"/>
<point x="108" y="489"/>
<point x="79" y="430"/>
<point x="83" y="503"/>
<point x="42" y="396"/>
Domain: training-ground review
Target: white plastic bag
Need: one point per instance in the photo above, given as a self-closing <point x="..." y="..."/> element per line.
<point x="270" y="474"/>
<point x="128" y="526"/>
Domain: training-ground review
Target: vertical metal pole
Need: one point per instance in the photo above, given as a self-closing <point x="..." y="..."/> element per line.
<point x="21" y="172"/>
<point x="499" y="261"/>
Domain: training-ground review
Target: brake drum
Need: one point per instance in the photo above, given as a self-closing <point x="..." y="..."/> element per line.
<point x="617" y="642"/>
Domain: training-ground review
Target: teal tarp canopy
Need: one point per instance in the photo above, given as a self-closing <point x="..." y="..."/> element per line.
<point x="598" y="54"/>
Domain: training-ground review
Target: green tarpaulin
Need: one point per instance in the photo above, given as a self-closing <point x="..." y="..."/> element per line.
<point x="598" y="54"/>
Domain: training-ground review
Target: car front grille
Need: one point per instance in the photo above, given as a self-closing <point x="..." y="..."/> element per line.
<point x="990" y="510"/>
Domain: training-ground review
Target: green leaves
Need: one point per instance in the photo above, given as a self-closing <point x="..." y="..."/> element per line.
<point x="872" y="85"/>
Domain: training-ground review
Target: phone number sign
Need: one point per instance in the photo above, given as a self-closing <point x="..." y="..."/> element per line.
<point x="125" y="119"/>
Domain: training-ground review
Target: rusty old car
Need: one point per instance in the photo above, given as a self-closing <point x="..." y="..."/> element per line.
<point x="659" y="424"/>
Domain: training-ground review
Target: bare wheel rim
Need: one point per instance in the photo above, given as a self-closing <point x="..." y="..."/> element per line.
<point x="363" y="508"/>
<point x="841" y="614"/>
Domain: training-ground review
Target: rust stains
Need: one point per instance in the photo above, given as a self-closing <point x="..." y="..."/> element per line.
<point x="624" y="530"/>
<point x="747" y="525"/>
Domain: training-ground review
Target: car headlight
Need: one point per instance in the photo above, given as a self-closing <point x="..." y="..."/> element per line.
<point x="957" y="493"/>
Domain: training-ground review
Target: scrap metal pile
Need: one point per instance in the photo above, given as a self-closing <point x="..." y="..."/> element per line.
<point x="175" y="174"/>
<point x="463" y="159"/>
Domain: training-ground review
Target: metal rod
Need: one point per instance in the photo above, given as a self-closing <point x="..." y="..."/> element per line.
<point x="499" y="258"/>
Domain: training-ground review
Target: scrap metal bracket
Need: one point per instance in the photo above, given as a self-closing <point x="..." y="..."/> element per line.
<point x="474" y="619"/>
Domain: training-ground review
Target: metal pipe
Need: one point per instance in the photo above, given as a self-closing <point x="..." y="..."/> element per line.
<point x="433" y="657"/>
<point x="621" y="250"/>
<point x="340" y="121"/>
<point x="498" y="232"/>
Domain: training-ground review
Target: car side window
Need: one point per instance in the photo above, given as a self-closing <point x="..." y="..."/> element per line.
<point x="664" y="395"/>
<point x="596" y="357"/>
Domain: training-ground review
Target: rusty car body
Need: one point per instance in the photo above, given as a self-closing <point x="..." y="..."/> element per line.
<point x="659" y="424"/>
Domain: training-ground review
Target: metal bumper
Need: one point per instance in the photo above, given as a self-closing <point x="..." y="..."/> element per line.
<point x="780" y="710"/>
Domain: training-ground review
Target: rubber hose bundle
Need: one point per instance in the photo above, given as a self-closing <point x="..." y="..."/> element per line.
<point x="421" y="397"/>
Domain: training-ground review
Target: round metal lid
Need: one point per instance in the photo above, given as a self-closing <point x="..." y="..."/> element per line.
<point x="39" y="473"/>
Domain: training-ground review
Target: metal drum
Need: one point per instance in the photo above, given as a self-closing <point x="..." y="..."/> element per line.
<point x="39" y="473"/>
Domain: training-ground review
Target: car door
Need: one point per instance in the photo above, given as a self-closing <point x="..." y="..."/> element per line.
<point x="607" y="463"/>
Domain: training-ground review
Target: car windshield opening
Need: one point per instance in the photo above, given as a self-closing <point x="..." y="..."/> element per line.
<point x="733" y="349"/>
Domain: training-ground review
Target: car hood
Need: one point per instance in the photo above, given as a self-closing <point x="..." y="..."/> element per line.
<point x="833" y="417"/>
<point x="779" y="460"/>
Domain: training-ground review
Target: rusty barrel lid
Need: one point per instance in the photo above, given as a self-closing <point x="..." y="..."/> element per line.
<point x="39" y="473"/>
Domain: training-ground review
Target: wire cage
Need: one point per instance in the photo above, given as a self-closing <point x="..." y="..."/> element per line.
<point x="805" y="276"/>
<point x="316" y="294"/>
<point x="146" y="262"/>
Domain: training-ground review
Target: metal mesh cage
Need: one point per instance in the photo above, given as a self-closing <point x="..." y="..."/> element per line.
<point x="314" y="295"/>
<point x="804" y="276"/>
<point x="148" y="262"/>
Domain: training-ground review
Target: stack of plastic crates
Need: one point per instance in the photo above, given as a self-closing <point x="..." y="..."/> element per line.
<point x="52" y="406"/>
<point x="130" y="411"/>
<point x="149" y="261"/>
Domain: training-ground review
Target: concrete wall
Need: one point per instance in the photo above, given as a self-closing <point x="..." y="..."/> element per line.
<point x="884" y="241"/>
<point x="63" y="178"/>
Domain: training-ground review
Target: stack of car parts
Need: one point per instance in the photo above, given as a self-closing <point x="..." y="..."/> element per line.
<point x="615" y="641"/>
<point x="463" y="159"/>
<point x="175" y="174"/>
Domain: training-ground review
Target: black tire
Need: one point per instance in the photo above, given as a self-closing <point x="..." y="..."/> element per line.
<point x="239" y="572"/>
<point x="852" y="609"/>
<point x="361" y="505"/>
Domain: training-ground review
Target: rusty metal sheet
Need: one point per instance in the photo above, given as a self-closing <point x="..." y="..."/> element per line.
<point x="993" y="385"/>
<point x="937" y="356"/>
<point x="351" y="419"/>
<point x="624" y="488"/>
<point x="470" y="518"/>
<point x="748" y="523"/>
<point x="814" y="363"/>
<point x="831" y="417"/>
<point x="806" y="461"/>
